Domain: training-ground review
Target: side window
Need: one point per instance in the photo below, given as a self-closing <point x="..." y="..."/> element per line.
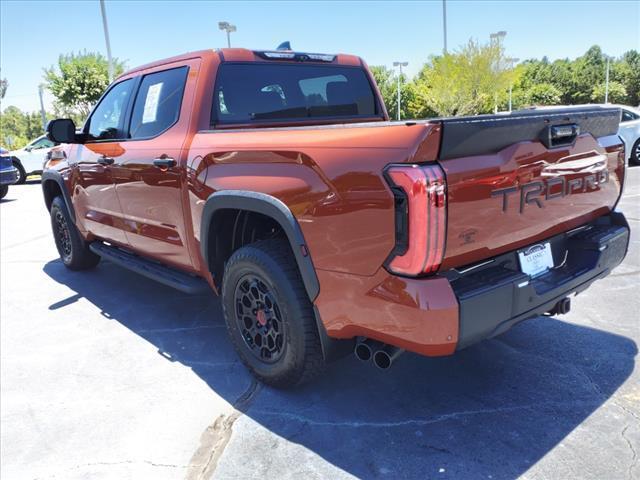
<point x="45" y="143"/>
<point x="627" y="116"/>
<point x="157" y="105"/>
<point x="106" y="120"/>
<point x="41" y="143"/>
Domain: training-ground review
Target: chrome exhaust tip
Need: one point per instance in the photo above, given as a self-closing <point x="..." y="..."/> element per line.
<point x="384" y="358"/>
<point x="364" y="349"/>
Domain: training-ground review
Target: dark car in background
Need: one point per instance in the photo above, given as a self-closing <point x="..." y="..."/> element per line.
<point x="8" y="173"/>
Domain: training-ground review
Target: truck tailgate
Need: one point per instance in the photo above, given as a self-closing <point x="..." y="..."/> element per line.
<point x="517" y="179"/>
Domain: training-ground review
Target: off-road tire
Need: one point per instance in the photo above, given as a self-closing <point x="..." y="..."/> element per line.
<point x="272" y="263"/>
<point x="74" y="251"/>
<point x="22" y="175"/>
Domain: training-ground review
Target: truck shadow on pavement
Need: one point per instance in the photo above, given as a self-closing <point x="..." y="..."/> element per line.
<point x="491" y="411"/>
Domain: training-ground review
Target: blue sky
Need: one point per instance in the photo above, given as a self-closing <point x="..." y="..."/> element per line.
<point x="34" y="33"/>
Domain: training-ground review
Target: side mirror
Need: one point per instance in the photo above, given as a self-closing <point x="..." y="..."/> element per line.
<point x="62" y="130"/>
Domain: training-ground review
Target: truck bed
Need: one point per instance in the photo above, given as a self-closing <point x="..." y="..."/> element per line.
<point x="487" y="160"/>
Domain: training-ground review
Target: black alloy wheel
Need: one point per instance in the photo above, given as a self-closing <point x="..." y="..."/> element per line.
<point x="73" y="249"/>
<point x="269" y="316"/>
<point x="259" y="319"/>
<point x="62" y="236"/>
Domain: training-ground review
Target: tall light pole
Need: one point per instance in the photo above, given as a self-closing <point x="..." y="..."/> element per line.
<point x="399" y="64"/>
<point x="512" y="61"/>
<point x="496" y="40"/>
<point x="606" y="84"/>
<point x="227" y="27"/>
<point x="106" y="38"/>
<point x="42" y="112"/>
<point x="444" y="24"/>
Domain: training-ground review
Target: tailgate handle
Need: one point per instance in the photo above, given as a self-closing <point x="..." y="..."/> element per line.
<point x="560" y="135"/>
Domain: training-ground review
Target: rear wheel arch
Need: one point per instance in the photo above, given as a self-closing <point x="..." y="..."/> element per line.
<point x="53" y="186"/>
<point x="73" y="249"/>
<point x="225" y="217"/>
<point x="234" y="218"/>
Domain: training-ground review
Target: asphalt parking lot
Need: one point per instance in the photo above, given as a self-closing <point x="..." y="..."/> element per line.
<point x="106" y="374"/>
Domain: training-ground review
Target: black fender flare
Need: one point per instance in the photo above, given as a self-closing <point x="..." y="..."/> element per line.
<point x="271" y="207"/>
<point x="53" y="175"/>
<point x="332" y="348"/>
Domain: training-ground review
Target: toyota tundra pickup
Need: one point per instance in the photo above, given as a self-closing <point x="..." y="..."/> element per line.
<point x="276" y="180"/>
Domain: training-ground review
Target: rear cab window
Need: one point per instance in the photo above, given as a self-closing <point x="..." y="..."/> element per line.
<point x="254" y="93"/>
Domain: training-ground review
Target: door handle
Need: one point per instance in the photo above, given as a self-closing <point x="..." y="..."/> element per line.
<point x="164" y="162"/>
<point x="104" y="160"/>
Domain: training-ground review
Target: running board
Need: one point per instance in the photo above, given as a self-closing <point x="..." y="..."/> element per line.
<point x="160" y="273"/>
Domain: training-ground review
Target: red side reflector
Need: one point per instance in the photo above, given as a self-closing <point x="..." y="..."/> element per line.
<point x="425" y="189"/>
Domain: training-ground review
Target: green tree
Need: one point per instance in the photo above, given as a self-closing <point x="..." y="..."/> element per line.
<point x="469" y="81"/>
<point x="4" y="84"/>
<point x="617" y="92"/>
<point x="581" y="80"/>
<point x="588" y="70"/>
<point x="413" y="101"/>
<point x="475" y="78"/>
<point x="60" y="111"/>
<point x="34" y="127"/>
<point x="627" y="72"/>
<point x="17" y="128"/>
<point x="79" y="80"/>
<point x="386" y="81"/>
<point x="542" y="72"/>
<point x="13" y="128"/>
<point x="543" y="94"/>
<point x="416" y="100"/>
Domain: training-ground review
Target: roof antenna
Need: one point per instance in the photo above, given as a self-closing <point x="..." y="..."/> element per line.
<point x="284" y="46"/>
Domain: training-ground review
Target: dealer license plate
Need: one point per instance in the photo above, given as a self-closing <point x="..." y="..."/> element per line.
<point x="536" y="259"/>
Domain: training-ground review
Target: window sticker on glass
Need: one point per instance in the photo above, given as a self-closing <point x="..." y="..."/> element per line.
<point x="151" y="103"/>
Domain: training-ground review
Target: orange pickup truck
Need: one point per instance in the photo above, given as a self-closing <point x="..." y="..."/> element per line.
<point x="275" y="179"/>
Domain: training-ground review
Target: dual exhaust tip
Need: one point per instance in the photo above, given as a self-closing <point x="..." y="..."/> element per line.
<point x="383" y="355"/>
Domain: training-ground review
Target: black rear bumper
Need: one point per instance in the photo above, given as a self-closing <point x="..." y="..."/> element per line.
<point x="497" y="295"/>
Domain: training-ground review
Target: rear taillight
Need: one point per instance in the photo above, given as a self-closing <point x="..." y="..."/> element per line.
<point x="421" y="218"/>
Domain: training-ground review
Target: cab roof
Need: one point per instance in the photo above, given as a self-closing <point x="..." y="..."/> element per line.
<point x="246" y="55"/>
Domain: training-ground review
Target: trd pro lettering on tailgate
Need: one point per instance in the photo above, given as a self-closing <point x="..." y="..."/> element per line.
<point x="540" y="191"/>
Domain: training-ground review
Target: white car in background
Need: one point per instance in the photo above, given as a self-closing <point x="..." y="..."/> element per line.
<point x="29" y="159"/>
<point x="629" y="131"/>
